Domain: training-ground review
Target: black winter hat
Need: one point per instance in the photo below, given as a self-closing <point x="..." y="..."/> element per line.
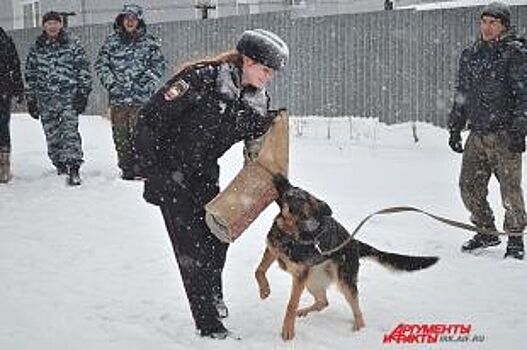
<point x="51" y="16"/>
<point x="498" y="10"/>
<point x="264" y="47"/>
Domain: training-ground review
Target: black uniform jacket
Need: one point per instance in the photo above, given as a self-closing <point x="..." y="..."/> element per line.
<point x="187" y="125"/>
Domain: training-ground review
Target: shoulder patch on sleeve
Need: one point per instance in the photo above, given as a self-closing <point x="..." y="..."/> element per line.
<point x="176" y="90"/>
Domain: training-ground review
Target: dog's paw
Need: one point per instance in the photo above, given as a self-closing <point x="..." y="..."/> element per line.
<point x="358" y="324"/>
<point x="265" y="292"/>
<point x="303" y="312"/>
<point x="288" y="332"/>
<point x="263" y="284"/>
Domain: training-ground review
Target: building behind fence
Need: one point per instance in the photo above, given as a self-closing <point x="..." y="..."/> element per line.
<point x="396" y="66"/>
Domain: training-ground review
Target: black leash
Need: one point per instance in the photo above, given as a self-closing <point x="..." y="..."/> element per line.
<point x="395" y="210"/>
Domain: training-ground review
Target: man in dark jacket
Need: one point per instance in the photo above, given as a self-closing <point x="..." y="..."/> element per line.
<point x="58" y="84"/>
<point x="10" y="85"/>
<point x="181" y="133"/>
<point x="130" y="66"/>
<point x="491" y="96"/>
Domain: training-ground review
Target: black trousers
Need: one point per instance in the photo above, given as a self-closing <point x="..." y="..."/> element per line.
<point x="201" y="258"/>
<point x="5" y="116"/>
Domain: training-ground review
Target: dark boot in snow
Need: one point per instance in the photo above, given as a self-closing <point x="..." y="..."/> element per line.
<point x="5" y="166"/>
<point x="74" y="178"/>
<point x="127" y="175"/>
<point x="480" y="240"/>
<point x="130" y="175"/>
<point x="62" y="169"/>
<point x="515" y="248"/>
<point x="219" y="332"/>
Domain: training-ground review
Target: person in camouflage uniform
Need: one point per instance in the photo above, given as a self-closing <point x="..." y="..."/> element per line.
<point x="10" y="85"/>
<point x="492" y="96"/>
<point x="58" y="84"/>
<point x="130" y="66"/>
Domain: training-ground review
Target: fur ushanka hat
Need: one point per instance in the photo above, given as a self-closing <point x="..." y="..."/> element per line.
<point x="264" y="47"/>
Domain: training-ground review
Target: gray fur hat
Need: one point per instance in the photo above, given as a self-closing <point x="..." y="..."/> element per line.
<point x="498" y="10"/>
<point x="132" y="9"/>
<point x="264" y="47"/>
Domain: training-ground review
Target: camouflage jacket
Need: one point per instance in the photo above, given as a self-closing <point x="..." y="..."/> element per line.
<point x="57" y="68"/>
<point x="130" y="67"/>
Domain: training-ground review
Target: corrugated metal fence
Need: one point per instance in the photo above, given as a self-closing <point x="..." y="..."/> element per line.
<point x="397" y="66"/>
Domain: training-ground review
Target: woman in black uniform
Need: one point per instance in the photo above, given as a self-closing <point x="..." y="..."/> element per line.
<point x="181" y="133"/>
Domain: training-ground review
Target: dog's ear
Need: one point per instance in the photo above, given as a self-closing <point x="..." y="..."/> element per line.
<point x="281" y="183"/>
<point x="323" y="208"/>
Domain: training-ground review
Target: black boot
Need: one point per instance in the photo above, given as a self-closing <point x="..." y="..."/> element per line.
<point x="74" y="178"/>
<point x="480" y="240"/>
<point x="515" y="248"/>
<point x="62" y="169"/>
<point x="219" y="332"/>
<point x="129" y="174"/>
<point x="5" y="166"/>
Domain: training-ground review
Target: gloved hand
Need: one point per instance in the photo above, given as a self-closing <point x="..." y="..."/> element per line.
<point x="516" y="142"/>
<point x="32" y="109"/>
<point x="455" y="141"/>
<point x="79" y="103"/>
<point x="516" y="135"/>
<point x="272" y="114"/>
<point x="252" y="148"/>
<point x="113" y="89"/>
<point x="20" y="98"/>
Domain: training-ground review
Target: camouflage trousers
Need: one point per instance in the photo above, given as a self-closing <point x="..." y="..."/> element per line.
<point x="124" y="119"/>
<point x="487" y="155"/>
<point x="5" y="116"/>
<point x="61" y="127"/>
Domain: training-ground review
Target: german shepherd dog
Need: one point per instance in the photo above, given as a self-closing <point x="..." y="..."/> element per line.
<point x="317" y="251"/>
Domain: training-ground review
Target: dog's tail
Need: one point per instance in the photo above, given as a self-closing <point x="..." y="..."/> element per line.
<point x="397" y="262"/>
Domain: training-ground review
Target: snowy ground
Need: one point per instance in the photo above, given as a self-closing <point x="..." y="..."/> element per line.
<point x="91" y="267"/>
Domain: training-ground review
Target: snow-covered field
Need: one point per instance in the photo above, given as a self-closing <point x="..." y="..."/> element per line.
<point x="91" y="267"/>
